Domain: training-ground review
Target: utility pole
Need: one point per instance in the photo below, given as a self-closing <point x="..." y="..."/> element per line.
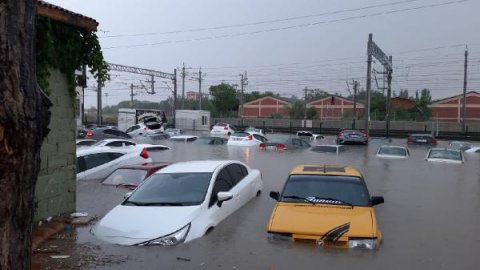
<point x="152" y="83"/>
<point x="174" y="95"/>
<point x="131" y="95"/>
<point x="355" y="87"/>
<point x="369" y="83"/>
<point x="106" y="99"/>
<point x="183" y="86"/>
<point x="84" y="79"/>
<point x="99" y="103"/>
<point x="305" y="108"/>
<point x="389" y="95"/>
<point x="243" y="83"/>
<point x="200" y="89"/>
<point x="464" y="103"/>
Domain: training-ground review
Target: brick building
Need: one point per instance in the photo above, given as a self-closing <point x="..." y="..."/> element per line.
<point x="265" y="107"/>
<point x="335" y="108"/>
<point x="450" y="109"/>
<point x="398" y="102"/>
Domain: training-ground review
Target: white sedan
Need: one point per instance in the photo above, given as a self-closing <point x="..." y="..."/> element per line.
<point x="222" y="129"/>
<point x="246" y="139"/>
<point x="392" y="151"/>
<point x="97" y="162"/>
<point x="473" y="149"/>
<point x="180" y="203"/>
<point x="445" y="155"/>
<point x="128" y="143"/>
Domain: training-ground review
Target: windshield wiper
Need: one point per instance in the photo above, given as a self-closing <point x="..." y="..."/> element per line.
<point x="298" y="197"/>
<point x="132" y="202"/>
<point x="326" y="199"/>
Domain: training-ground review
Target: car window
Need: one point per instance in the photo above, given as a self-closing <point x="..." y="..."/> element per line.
<point x="115" y="144"/>
<point x="110" y="132"/>
<point x="236" y="173"/>
<point x="130" y="129"/>
<point x="80" y="164"/>
<point x="260" y="138"/>
<point x="114" y="155"/>
<point x="478" y="151"/>
<point x="95" y="160"/>
<point x="223" y="182"/>
<point x="129" y="143"/>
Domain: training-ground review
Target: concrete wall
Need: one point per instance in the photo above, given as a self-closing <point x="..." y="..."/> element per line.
<point x="56" y="185"/>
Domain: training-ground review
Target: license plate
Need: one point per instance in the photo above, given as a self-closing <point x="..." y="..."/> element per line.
<point x="271" y="147"/>
<point x="421" y="140"/>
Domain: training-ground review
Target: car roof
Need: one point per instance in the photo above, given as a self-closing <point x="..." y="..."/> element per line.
<point x="102" y="149"/>
<point x="326" y="169"/>
<point x="421" y="134"/>
<point x="393" y="146"/>
<point x="444" y="149"/>
<point x="115" y="140"/>
<point x="146" y="166"/>
<point x="207" y="166"/>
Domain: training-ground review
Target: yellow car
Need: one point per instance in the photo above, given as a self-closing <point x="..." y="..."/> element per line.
<point x="328" y="205"/>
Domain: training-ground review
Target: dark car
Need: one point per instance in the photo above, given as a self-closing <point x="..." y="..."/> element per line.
<point x="284" y="144"/>
<point x="130" y="176"/>
<point x="427" y="139"/>
<point x="103" y="133"/>
<point x="352" y="136"/>
<point x="210" y="141"/>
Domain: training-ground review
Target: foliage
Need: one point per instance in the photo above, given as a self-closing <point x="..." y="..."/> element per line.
<point x="67" y="48"/>
<point x="224" y="100"/>
<point x="317" y="94"/>
<point x="378" y="104"/>
<point x="403" y="93"/>
<point x="276" y="115"/>
<point x="311" y="113"/>
<point x="295" y="109"/>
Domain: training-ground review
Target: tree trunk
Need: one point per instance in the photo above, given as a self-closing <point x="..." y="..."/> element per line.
<point x="24" y="118"/>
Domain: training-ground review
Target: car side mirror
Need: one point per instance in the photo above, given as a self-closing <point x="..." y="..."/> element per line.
<point x="126" y="195"/>
<point x="275" y="195"/>
<point x="376" y="200"/>
<point x="223" y="197"/>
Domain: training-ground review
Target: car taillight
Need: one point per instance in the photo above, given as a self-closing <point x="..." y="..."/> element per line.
<point x="249" y="137"/>
<point x="88" y="134"/>
<point x="262" y="146"/>
<point x="144" y="153"/>
<point x="146" y="128"/>
<point x="365" y="135"/>
<point x="281" y="146"/>
<point x="341" y="133"/>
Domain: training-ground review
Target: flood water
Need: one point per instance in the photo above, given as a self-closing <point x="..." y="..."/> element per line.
<point x="430" y="218"/>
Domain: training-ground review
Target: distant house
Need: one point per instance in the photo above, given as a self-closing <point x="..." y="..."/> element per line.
<point x="192" y="95"/>
<point x="265" y="107"/>
<point x="450" y="109"/>
<point x="398" y="102"/>
<point x="335" y="108"/>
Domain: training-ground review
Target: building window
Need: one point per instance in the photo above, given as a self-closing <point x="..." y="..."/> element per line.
<point x="204" y="120"/>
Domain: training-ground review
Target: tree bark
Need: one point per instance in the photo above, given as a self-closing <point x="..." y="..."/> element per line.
<point x="24" y="118"/>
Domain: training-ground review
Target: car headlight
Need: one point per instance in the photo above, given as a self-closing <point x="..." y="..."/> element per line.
<point x="363" y="243"/>
<point x="172" y="239"/>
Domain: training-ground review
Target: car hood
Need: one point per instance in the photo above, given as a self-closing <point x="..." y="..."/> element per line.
<point x="317" y="220"/>
<point x="130" y="225"/>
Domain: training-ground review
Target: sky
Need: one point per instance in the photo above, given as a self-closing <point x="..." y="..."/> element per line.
<point x="284" y="46"/>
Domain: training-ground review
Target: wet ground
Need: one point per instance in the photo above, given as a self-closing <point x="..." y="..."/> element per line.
<point x="430" y="219"/>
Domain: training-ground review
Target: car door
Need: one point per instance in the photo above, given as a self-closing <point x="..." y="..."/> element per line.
<point x="223" y="182"/>
<point x="99" y="165"/>
<point x="243" y="188"/>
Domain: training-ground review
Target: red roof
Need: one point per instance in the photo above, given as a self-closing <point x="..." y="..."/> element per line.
<point x="66" y="16"/>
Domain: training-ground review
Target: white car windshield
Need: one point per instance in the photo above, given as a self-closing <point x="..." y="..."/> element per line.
<point x="392" y="151"/>
<point x="445" y="154"/>
<point x="171" y="189"/>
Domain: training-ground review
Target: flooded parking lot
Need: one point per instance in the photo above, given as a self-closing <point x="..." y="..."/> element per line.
<point x="429" y="220"/>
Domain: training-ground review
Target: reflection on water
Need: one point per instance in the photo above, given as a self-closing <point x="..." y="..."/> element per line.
<point x="430" y="218"/>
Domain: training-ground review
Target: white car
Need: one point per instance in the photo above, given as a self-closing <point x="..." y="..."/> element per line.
<point x="308" y="134"/>
<point x="142" y="129"/>
<point x="246" y="139"/>
<point x="128" y="143"/>
<point x="222" y="129"/>
<point x="97" y="162"/>
<point x="392" y="151"/>
<point x="180" y="203"/>
<point x="173" y="131"/>
<point x="473" y="149"/>
<point x="184" y="138"/>
<point x="253" y="130"/>
<point x="85" y="142"/>
<point x="445" y="155"/>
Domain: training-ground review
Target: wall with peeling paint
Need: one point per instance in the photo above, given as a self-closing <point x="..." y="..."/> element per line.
<point x="56" y="185"/>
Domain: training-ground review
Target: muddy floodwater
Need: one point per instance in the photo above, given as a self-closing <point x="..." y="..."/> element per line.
<point x="430" y="218"/>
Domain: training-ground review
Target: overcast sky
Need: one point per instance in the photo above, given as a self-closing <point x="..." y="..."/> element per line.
<point x="285" y="46"/>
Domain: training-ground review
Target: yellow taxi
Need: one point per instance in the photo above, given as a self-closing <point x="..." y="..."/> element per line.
<point x="328" y="205"/>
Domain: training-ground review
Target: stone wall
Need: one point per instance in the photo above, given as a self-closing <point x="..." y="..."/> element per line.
<point x="56" y="185"/>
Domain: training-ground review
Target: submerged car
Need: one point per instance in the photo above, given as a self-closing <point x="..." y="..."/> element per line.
<point x="96" y="162"/>
<point x="103" y="133"/>
<point x="328" y="205"/>
<point x="145" y="129"/>
<point x="352" y="136"/>
<point x="392" y="151"/>
<point x="253" y="130"/>
<point x="246" y="139"/>
<point x="179" y="203"/>
<point x="305" y="134"/>
<point x="284" y="144"/>
<point x="462" y="146"/>
<point x="85" y="142"/>
<point x="210" y="141"/>
<point x="222" y="129"/>
<point x="130" y="176"/>
<point x="445" y="155"/>
<point x="184" y="138"/>
<point x="473" y="149"/>
<point x="328" y="148"/>
<point x="428" y="139"/>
